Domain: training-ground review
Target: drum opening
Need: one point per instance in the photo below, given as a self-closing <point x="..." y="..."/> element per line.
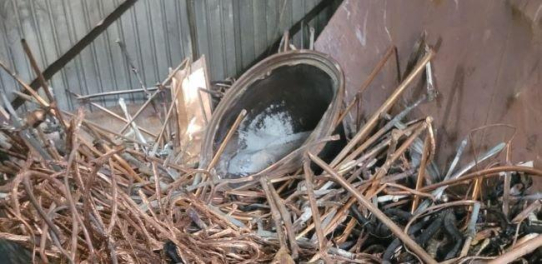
<point x="283" y="108"/>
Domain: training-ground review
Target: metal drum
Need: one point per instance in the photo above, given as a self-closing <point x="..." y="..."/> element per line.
<point x="292" y="99"/>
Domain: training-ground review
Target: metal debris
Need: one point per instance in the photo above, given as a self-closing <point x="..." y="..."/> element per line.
<point x="120" y="197"/>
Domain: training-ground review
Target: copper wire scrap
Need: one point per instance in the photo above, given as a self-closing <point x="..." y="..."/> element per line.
<point x="93" y="195"/>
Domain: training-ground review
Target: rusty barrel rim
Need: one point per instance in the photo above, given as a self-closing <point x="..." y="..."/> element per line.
<point x="328" y="121"/>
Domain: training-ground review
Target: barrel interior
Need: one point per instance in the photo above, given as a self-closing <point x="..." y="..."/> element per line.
<point x="283" y="108"/>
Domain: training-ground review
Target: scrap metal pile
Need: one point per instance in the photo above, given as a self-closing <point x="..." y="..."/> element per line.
<point x="96" y="195"/>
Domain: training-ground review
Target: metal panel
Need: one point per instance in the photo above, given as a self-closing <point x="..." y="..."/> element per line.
<point x="486" y="73"/>
<point x="246" y="18"/>
<point x="228" y="38"/>
<point x="260" y="27"/>
<point x="232" y="33"/>
<point x="298" y="11"/>
<point x="216" y="45"/>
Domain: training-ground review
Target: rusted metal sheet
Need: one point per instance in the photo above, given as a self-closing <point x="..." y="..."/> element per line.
<point x="487" y="69"/>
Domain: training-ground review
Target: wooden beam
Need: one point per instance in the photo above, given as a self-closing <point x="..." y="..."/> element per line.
<point x="57" y="65"/>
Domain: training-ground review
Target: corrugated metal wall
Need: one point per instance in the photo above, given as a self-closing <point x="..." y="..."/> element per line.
<point x="231" y="33"/>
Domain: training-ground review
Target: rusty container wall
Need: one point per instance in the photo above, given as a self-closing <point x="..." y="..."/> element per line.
<point x="302" y="90"/>
<point x="487" y="68"/>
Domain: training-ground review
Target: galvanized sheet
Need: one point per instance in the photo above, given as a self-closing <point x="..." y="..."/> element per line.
<point x="231" y="33"/>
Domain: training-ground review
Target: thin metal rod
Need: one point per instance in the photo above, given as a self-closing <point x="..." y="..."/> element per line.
<point x="166" y="81"/>
<point x="221" y="149"/>
<point x="90" y="123"/>
<point x="27" y="88"/>
<point x="286" y="40"/>
<point x="309" y="176"/>
<point x="371" y="123"/>
<point x="275" y="213"/>
<point x="421" y="172"/>
<point x="399" y="152"/>
<point x="376" y="136"/>
<point x="483" y="173"/>
<point x="519" y="251"/>
<point x="90" y="96"/>
<point x="133" y="68"/>
<point x="230" y="134"/>
<point x="57" y="65"/>
<point x="35" y="67"/>
<point x="395" y="229"/>
<point x="113" y="114"/>
<point x="391" y="50"/>
<point x="168" y="114"/>
<point x="43" y="83"/>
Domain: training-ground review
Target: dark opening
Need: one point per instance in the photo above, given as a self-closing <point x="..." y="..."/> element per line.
<point x="283" y="108"/>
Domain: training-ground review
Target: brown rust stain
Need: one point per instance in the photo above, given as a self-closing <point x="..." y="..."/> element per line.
<point x="519" y="17"/>
<point x="532" y="141"/>
<point x="438" y="2"/>
<point x="510" y="100"/>
<point x="468" y="65"/>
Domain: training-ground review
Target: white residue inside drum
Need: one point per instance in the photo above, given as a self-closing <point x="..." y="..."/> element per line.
<point x="262" y="141"/>
<point x="266" y="127"/>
